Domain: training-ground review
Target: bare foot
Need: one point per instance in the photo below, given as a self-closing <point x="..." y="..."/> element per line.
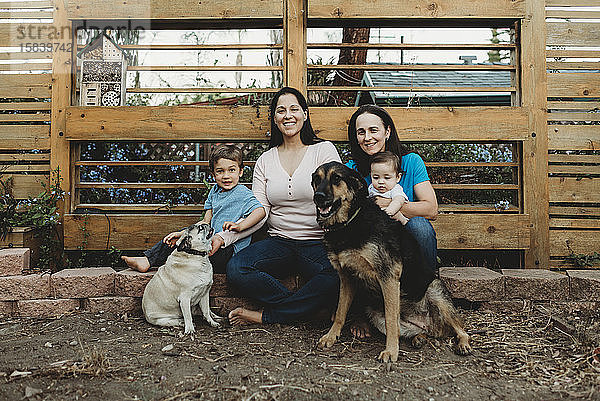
<point x="360" y="329"/>
<point x="139" y="263"/>
<point x="241" y="316"/>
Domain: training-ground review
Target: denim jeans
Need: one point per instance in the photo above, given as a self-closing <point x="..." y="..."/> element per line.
<point x="158" y="254"/>
<point x="254" y="271"/>
<point x="423" y="231"/>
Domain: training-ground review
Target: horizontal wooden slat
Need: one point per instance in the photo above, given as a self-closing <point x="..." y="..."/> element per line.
<point x="563" y="158"/>
<point x="580" y="242"/>
<point x="476" y="186"/>
<point x="573" y="33"/>
<point x="20" y="168"/>
<point x="29" y="106"/>
<point x="413" y="46"/>
<point x="23" y="55"/>
<point x="179" y="9"/>
<point x="15" y="35"/>
<point x="203" y="46"/>
<point x="572" y="14"/>
<point x="167" y="123"/>
<point x="204" y="68"/>
<point x="567" y="189"/>
<point x="202" y="90"/>
<point x="416" y="88"/>
<point x="24" y="137"/>
<point x="20" y="157"/>
<point x="573" y="116"/>
<point x="140" y="185"/>
<point x="575" y="210"/>
<point x="417" y="8"/>
<point x="575" y="223"/>
<point x="573" y="53"/>
<point x="138" y="231"/>
<point x="139" y="208"/>
<point x="411" y="67"/>
<point x="566" y="169"/>
<point x="575" y="65"/>
<point x="574" y="85"/>
<point x="24" y="186"/>
<point x="27" y="4"/>
<point x="20" y="67"/>
<point x="24" y="117"/>
<point x="26" y="14"/>
<point x="583" y="106"/>
<point x="479" y="208"/>
<point x="571" y="3"/>
<point x="25" y="86"/>
<point x="574" y="137"/>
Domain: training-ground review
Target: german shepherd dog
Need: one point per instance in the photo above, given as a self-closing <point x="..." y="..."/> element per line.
<point x="377" y="255"/>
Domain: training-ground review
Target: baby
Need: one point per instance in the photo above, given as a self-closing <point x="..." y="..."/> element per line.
<point x="385" y="174"/>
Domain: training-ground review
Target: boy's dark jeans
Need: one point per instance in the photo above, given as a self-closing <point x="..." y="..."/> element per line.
<point x="158" y="254"/>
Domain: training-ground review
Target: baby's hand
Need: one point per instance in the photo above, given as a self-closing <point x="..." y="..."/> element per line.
<point x="171" y="238"/>
<point x="231" y="226"/>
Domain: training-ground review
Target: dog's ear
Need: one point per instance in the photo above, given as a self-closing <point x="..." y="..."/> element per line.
<point x="357" y="183"/>
<point x="182" y="242"/>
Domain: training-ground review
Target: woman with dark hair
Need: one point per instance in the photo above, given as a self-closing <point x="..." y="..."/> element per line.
<point x="294" y="245"/>
<point x="371" y="130"/>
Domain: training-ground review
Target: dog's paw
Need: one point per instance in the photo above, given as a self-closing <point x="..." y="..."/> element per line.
<point x="463" y="349"/>
<point x="189" y="329"/>
<point x="418" y="341"/>
<point x="214" y="323"/>
<point x="327" y="340"/>
<point x="388" y="355"/>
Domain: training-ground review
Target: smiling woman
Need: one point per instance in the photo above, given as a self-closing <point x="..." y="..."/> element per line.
<point x="281" y="182"/>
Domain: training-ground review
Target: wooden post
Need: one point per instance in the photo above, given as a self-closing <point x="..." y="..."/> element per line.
<point x="535" y="149"/>
<point x="294" y="44"/>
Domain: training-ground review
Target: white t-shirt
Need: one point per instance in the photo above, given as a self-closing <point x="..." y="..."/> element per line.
<point x="391" y="194"/>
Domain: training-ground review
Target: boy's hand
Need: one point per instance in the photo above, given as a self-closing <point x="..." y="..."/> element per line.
<point x="216" y="242"/>
<point x="231" y="226"/>
<point x="171" y="238"/>
<point x="382" y="202"/>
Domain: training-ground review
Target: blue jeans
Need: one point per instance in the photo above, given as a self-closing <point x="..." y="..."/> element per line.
<point x="424" y="233"/>
<point x="255" y="269"/>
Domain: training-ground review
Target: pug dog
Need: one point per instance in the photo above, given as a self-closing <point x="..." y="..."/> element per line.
<point x="183" y="283"/>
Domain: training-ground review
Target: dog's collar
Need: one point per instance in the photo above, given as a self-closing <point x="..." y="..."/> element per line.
<point x="340" y="226"/>
<point x="194" y="252"/>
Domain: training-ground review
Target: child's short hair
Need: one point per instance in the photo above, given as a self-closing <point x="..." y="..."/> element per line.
<point x="229" y="152"/>
<point x="387" y="157"/>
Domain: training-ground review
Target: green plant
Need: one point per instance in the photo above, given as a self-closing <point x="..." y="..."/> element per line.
<point x="41" y="213"/>
<point x="582" y="259"/>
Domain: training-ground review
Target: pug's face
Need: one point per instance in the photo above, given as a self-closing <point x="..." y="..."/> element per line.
<point x="197" y="238"/>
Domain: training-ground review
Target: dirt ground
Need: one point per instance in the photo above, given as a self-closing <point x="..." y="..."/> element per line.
<point x="524" y="355"/>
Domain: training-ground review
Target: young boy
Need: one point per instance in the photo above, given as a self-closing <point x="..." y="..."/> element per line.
<point x="385" y="174"/>
<point x="229" y="206"/>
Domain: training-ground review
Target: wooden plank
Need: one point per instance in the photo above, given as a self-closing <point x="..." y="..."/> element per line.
<point x="29" y="106"/>
<point x="27" y="4"/>
<point x="588" y="211"/>
<point x="574" y="137"/>
<point x="24" y="117"/>
<point x="415" y="88"/>
<point x="413" y="67"/>
<point x="34" y="14"/>
<point x="464" y="187"/>
<point x="179" y="9"/>
<point x="24" y="157"/>
<point x="569" y="189"/>
<point x="140" y="231"/>
<point x="575" y="223"/>
<point x="22" y="55"/>
<point x="562" y="158"/>
<point x="579" y="241"/>
<point x="23" y="137"/>
<point x="20" y="67"/>
<point x="571" y="3"/>
<point x="25" y="186"/>
<point x="414" y="46"/>
<point x="572" y="53"/>
<point x="532" y="35"/>
<point x="573" y="33"/>
<point x="204" y="68"/>
<point x="164" y="123"/>
<point x="141" y="185"/>
<point x="17" y="34"/>
<point x="575" y="65"/>
<point x="22" y="168"/>
<point x="572" y="14"/>
<point x="203" y="46"/>
<point x="202" y="90"/>
<point x="25" y="86"/>
<point x="574" y="85"/>
<point x="579" y="106"/>
<point x="581" y="170"/>
<point x="294" y="43"/>
<point x="385" y="9"/>
<point x="573" y="116"/>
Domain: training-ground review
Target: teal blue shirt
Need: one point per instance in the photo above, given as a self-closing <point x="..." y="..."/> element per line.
<point x="231" y="205"/>
<point x="414" y="172"/>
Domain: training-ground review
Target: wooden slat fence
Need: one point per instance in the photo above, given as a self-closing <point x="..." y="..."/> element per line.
<point x="573" y="130"/>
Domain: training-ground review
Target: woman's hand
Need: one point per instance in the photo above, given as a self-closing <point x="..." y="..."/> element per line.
<point x="231" y="226"/>
<point x="216" y="242"/>
<point x="171" y="238"/>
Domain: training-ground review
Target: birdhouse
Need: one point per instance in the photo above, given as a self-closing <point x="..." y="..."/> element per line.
<point x="103" y="73"/>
